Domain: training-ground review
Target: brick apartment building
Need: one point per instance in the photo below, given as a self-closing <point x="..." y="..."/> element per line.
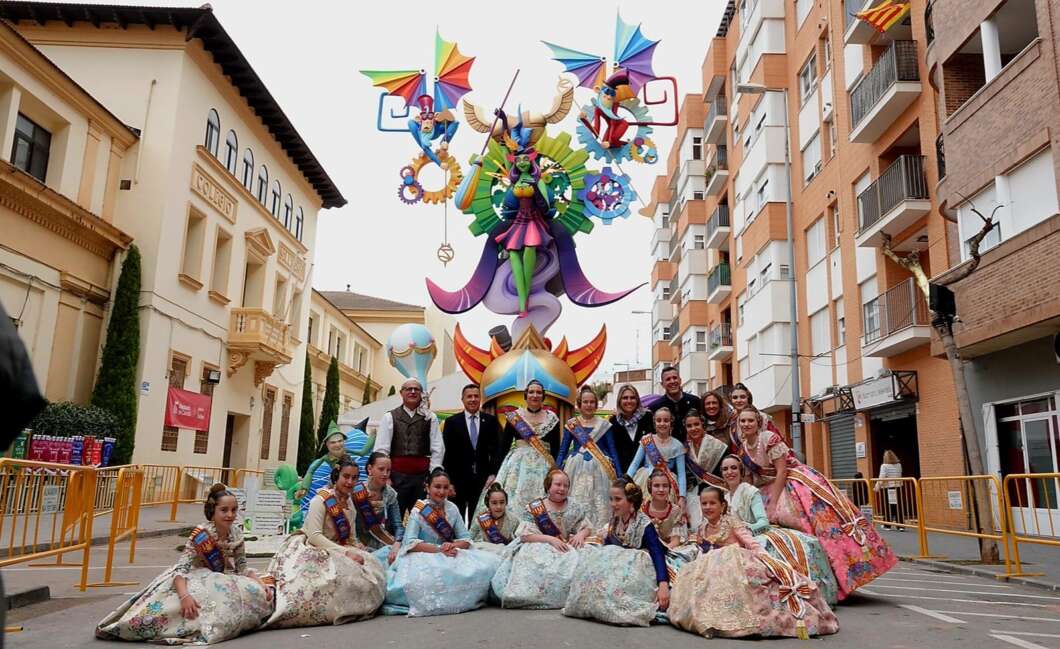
<point x="863" y="175"/>
<point x="994" y="66"/>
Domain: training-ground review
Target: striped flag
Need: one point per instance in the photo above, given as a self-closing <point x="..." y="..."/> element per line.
<point x="885" y="15"/>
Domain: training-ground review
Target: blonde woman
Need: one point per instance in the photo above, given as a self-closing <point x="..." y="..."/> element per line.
<point x="891" y="468"/>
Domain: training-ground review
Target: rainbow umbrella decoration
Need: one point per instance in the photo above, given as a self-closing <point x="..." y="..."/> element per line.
<point x="451" y="70"/>
<point x="633" y="53"/>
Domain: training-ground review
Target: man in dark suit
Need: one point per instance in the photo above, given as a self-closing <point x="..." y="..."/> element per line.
<point x="472" y="454"/>
<point x="676" y="400"/>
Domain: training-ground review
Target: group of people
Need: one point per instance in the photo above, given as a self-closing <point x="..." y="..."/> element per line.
<point x="693" y="512"/>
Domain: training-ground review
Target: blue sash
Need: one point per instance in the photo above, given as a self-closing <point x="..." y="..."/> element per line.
<point x="208" y="549"/>
<point x="436" y="520"/>
<point x="338" y="516"/>
<point x="490" y="529"/>
<point x="544" y="522"/>
<point x="655" y="457"/>
<point x="362" y="500"/>
<point x="527" y="434"/>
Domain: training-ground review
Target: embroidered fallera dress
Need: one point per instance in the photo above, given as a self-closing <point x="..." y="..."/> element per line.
<point x="673" y="452"/>
<point x="230" y="601"/>
<point x="316" y="583"/>
<point x="590" y="474"/>
<point x="523" y="471"/>
<point x="493" y="535"/>
<point x="701" y="460"/>
<point x="420" y="584"/>
<point x="812" y="504"/>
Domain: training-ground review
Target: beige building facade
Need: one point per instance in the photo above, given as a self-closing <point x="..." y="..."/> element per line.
<point x="222" y="199"/>
<point x="331" y="333"/>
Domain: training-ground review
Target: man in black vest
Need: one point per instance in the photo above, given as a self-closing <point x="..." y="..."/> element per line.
<point x="471" y="439"/>
<point x="677" y="400"/>
<point x="409" y="433"/>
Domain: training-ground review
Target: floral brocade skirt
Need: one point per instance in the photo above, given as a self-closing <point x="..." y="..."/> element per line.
<point x="615" y="585"/>
<point x="590" y="485"/>
<point x="535" y="575"/>
<point x="229" y="605"/>
<point x="522" y="474"/>
<point x="421" y="584"/>
<point x="729" y="592"/>
<point x="315" y="586"/>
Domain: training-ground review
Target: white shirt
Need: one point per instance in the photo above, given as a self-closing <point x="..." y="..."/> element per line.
<point x="385" y="435"/>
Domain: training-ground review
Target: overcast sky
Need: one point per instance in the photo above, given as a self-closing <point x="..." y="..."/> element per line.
<point x="308" y="54"/>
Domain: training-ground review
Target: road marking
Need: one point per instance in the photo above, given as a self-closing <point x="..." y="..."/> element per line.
<point x="1023" y="644"/>
<point x="934" y="614"/>
<point x="968" y="592"/>
<point x="1027" y="633"/>
<point x="952" y="599"/>
<point x="952" y="583"/>
<point x="1009" y="617"/>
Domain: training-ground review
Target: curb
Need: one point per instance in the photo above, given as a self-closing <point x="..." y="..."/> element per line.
<point x="953" y="568"/>
<point x="26" y="597"/>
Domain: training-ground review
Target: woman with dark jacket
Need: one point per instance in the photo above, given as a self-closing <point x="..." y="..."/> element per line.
<point x="628" y="424"/>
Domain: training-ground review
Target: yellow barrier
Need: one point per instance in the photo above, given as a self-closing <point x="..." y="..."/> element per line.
<point x="1027" y="492"/>
<point x="124" y="521"/>
<point x="30" y="491"/>
<point x="959" y="516"/>
<point x="240" y="476"/>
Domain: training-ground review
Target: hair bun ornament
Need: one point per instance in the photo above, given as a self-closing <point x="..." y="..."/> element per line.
<point x="217" y="487"/>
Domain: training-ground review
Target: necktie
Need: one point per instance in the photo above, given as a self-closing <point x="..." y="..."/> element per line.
<point x="473" y="431"/>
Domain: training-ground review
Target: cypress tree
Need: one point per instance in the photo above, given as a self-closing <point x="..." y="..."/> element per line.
<point x="367" y="398"/>
<point x="329" y="411"/>
<point x="307" y="446"/>
<point x="392" y="391"/>
<point x="115" y="389"/>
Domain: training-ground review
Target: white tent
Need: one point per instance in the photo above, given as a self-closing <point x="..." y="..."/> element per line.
<point x="444" y="395"/>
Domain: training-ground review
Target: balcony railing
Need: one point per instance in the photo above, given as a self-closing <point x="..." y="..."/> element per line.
<point x="719" y="276"/>
<point x="257" y="326"/>
<point x="675" y="291"/>
<point x="675" y="330"/>
<point x="721" y="336"/>
<point x="898" y="63"/>
<point x="902" y="306"/>
<point x="718" y="108"/>
<point x="719" y="219"/>
<point x="940" y="155"/>
<point x="902" y="181"/>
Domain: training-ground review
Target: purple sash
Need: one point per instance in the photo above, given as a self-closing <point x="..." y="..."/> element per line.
<point x="490" y="529"/>
<point x="544" y="522"/>
<point x="436" y="520"/>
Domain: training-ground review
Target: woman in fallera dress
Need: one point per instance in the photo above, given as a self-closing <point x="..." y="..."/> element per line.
<point x="800" y="498"/>
<point x="379" y="526"/>
<point x="735" y="589"/>
<point x="592" y="463"/>
<point x="208" y="596"/>
<point x="494" y="529"/>
<point x="538" y="570"/>
<point x="436" y="571"/>
<point x="323" y="575"/>
<point x="660" y="450"/>
<point x="801" y="550"/>
<point x="630" y="422"/>
<point x="534" y="431"/>
<point x="719" y="418"/>
<point x="669" y="521"/>
<point x="702" y="456"/>
<point x="624" y="581"/>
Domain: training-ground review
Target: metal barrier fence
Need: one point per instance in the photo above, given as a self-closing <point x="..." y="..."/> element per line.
<point x="124" y="521"/>
<point x="1031" y="496"/>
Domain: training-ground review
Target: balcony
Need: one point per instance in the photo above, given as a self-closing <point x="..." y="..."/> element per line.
<point x="717" y="171"/>
<point x="719" y="283"/>
<point x="896" y="321"/>
<point x="720" y="342"/>
<point x="660" y="243"/>
<point x="675" y="330"/>
<point x="859" y="32"/>
<point x="894" y="202"/>
<point x="675" y="289"/>
<point x="717" y="123"/>
<point x="940" y="155"/>
<point x="693" y="262"/>
<point x="694" y="366"/>
<point x="662" y="311"/>
<point x="255" y="335"/>
<point x="885" y="92"/>
<point x="718" y="228"/>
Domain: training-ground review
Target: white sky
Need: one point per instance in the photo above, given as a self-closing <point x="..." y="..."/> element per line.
<point x="309" y="53"/>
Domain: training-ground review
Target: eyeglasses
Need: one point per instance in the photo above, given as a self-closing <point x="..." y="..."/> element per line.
<point x="411" y="390"/>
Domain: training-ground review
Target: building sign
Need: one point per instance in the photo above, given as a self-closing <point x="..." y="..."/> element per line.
<point x="859" y="450"/>
<point x="49" y="500"/>
<point x="290" y="260"/>
<point x="873" y="393"/>
<point x="186" y="409"/>
<point x="954" y="499"/>
<point x="213" y="194"/>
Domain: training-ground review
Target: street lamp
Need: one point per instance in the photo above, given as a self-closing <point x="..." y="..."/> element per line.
<point x="796" y="398"/>
<point x="636" y="352"/>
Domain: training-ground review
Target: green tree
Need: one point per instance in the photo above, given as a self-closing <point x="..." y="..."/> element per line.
<point x="392" y="391"/>
<point x="115" y="389"/>
<point x="329" y="411"/>
<point x="307" y="446"/>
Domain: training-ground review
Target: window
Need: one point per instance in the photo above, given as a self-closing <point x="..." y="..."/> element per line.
<point x="276" y="193"/>
<point x="299" y="223"/>
<point x="178" y="370"/>
<point x="194" y="239"/>
<point x="837" y="225"/>
<point x="699" y="242"/>
<point x="1026" y="436"/>
<point x="231" y="152"/>
<point x="745" y="17"/>
<point x="213" y="132"/>
<point x="808" y="78"/>
<point x="826" y="49"/>
<point x="222" y="259"/>
<point x="802" y="10"/>
<point x="815" y="248"/>
<point x="263" y="184"/>
<point x="697" y="147"/>
<point x="760" y="195"/>
<point x="763" y="274"/>
<point x="30" y="149"/>
<point x="701" y="387"/>
<point x="248" y="170"/>
<point x="288" y="212"/>
<point x="840" y="323"/>
<point x="811" y="158"/>
<point x="268" y="402"/>
<point x="820" y="336"/>
<point x="666" y="291"/>
<point x="285" y="426"/>
<point x="279" y="297"/>
<point x="666" y="332"/>
<point x="359" y="355"/>
<point x="701" y="341"/>
<point x="311" y="329"/>
<point x="202" y="437"/>
<point x="833" y="139"/>
<point x="697" y="195"/>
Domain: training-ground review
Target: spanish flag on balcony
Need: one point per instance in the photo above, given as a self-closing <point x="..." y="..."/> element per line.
<point x="885" y="15"/>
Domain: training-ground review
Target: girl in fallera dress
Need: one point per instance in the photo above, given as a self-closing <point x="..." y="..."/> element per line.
<point x="661" y="450"/>
<point x="437" y="572"/>
<point x="624" y="581"/>
<point x="379" y="526"/>
<point x="549" y="541"/>
<point x="494" y="529"/>
<point x="534" y="430"/>
<point x="798" y="497"/>
<point x="801" y="550"/>
<point x="208" y="596"/>
<point x="741" y="398"/>
<point x="323" y="575"/>
<point x="669" y="521"/>
<point x="592" y="463"/>
<point x="735" y="589"/>
<point x="702" y="455"/>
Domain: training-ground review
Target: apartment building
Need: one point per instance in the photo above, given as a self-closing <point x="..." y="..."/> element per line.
<point x="332" y="334"/>
<point x="993" y="66"/>
<point x="801" y="95"/>
<point x="222" y="197"/>
<point x="61" y="154"/>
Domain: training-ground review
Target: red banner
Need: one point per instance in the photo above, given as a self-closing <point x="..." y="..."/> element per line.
<point x="186" y="409"/>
